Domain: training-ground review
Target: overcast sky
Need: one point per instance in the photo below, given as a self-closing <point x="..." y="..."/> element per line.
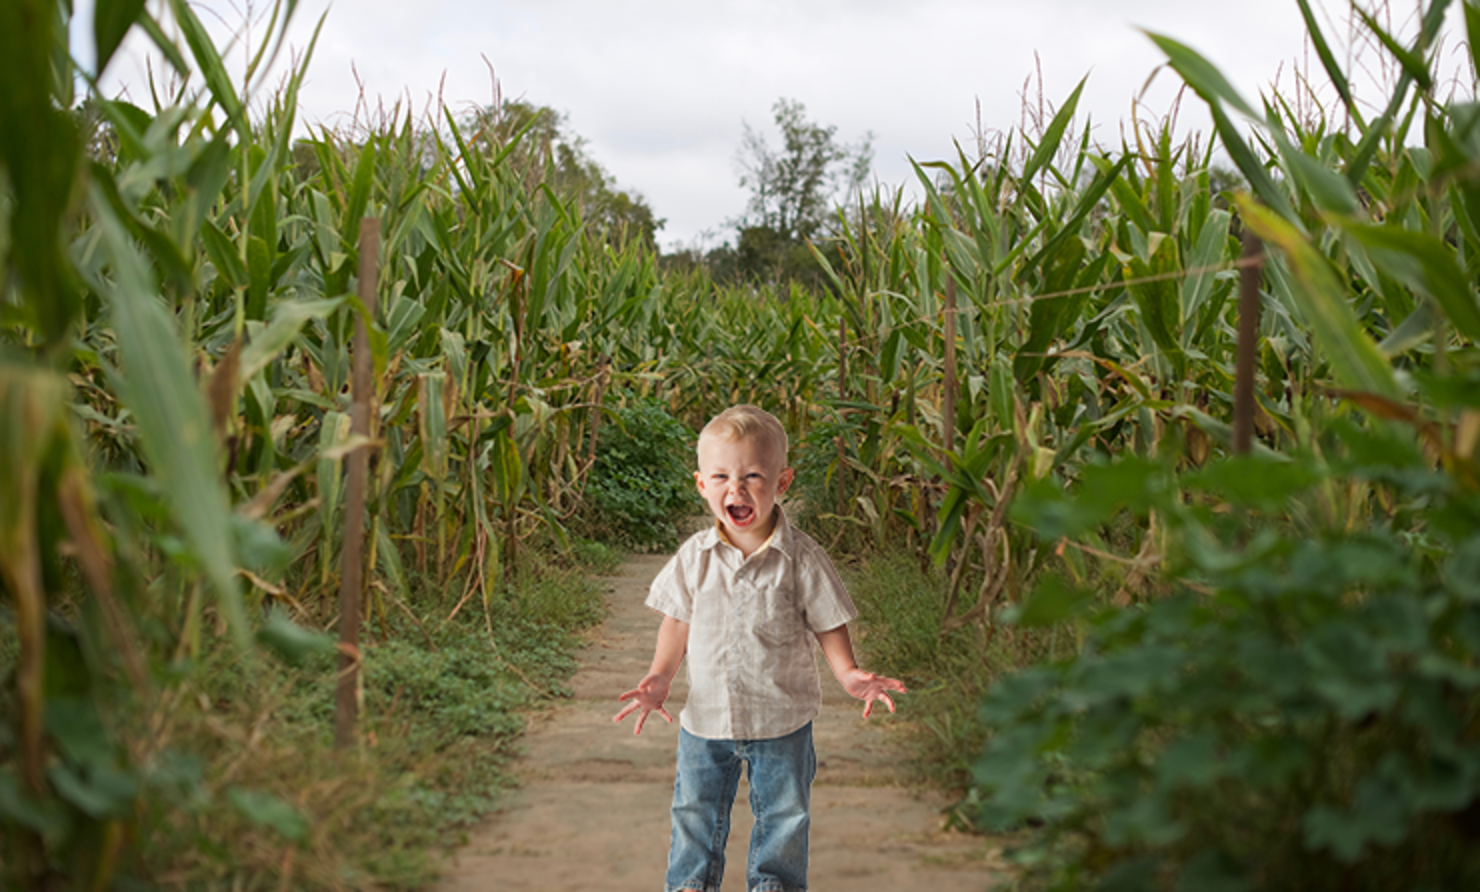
<point x="661" y="89"/>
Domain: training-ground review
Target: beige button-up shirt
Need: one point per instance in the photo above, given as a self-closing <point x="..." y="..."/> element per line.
<point x="752" y="669"/>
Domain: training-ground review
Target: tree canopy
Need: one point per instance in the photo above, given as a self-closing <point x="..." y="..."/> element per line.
<point x="550" y="153"/>
<point x="792" y="190"/>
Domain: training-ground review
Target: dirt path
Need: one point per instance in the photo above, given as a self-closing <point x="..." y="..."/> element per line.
<point x="592" y="811"/>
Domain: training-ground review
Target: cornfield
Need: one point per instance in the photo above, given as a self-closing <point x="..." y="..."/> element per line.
<point x="182" y="286"/>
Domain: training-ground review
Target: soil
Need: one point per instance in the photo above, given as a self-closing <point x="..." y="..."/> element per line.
<point x="591" y="811"/>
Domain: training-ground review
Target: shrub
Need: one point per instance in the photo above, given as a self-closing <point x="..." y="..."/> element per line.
<point x="641" y="486"/>
<point x="1302" y="711"/>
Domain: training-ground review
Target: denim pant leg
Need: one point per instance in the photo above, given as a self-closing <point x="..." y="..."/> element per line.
<point x="781" y="772"/>
<point x="703" y="794"/>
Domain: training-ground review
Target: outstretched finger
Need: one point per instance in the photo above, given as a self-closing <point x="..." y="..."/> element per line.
<point x="626" y="711"/>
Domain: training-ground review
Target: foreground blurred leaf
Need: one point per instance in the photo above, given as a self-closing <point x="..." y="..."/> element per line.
<point x="156" y="383"/>
<point x="1354" y="356"/>
<point x="292" y="642"/>
<point x="267" y="810"/>
<point x="1052" y="602"/>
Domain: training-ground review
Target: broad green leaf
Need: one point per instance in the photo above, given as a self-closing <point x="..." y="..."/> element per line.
<point x="259" y="277"/>
<point x="1426" y="265"/>
<point x="174" y="425"/>
<point x="40" y="148"/>
<point x="1158" y="300"/>
<point x="1413" y="62"/>
<point x="223" y="255"/>
<point x="1472" y="32"/>
<point x="266" y="810"/>
<point x="291" y="642"/>
<point x="165" y="44"/>
<point x="1379" y="816"/>
<point x="1053" y="134"/>
<point x="1208" y="254"/>
<point x="1328" y="61"/>
<point x="1051" y="602"/>
<point x="1200" y="74"/>
<point x="212" y="68"/>
<point x="112" y="20"/>
<point x="1257" y="480"/>
<point x="288" y="318"/>
<point x="1354" y="358"/>
<point x="1329" y="191"/>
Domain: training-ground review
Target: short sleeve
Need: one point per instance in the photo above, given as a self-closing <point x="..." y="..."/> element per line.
<point x="670" y="594"/>
<point x="825" y="600"/>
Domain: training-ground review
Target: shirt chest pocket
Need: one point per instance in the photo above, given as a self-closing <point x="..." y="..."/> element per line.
<point x="778" y="620"/>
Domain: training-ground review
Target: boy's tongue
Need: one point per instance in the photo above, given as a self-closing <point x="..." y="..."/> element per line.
<point x="740" y="515"/>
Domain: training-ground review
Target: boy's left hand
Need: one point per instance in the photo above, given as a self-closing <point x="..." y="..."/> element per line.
<point x="869" y="687"/>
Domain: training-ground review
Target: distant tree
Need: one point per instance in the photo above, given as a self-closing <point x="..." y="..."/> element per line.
<point x="792" y="191"/>
<point x="549" y="152"/>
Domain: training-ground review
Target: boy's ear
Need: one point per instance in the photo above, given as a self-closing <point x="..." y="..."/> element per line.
<point x="784" y="481"/>
<point x="699" y="482"/>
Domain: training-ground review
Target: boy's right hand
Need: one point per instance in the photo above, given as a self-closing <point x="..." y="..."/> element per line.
<point x="648" y="697"/>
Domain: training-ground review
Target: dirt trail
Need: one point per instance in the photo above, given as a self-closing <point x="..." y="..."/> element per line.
<point x="592" y="811"/>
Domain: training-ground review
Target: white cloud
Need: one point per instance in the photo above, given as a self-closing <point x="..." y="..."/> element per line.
<point x="660" y="88"/>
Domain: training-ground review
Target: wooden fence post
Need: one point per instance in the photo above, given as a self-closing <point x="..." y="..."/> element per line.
<point x="1248" y="344"/>
<point x="346" y="705"/>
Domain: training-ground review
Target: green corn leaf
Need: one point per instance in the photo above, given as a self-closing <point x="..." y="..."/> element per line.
<point x="1416" y="328"/>
<point x="39" y="147"/>
<point x="112" y="19"/>
<point x="359" y="196"/>
<point x="1215" y="90"/>
<point x="1328" y="61"/>
<point x="333" y="432"/>
<point x="1088" y="201"/>
<point x="1426" y="265"/>
<point x="1472" y="32"/>
<point x="171" y="415"/>
<point x="1053" y="135"/>
<point x="259" y="277"/>
<point x="1329" y="191"/>
<point x="163" y="248"/>
<point x="1413" y="62"/>
<point x="288" y="318"/>
<point x="1207" y="255"/>
<point x="212" y="68"/>
<point x="291" y="642"/>
<point x="1355" y="359"/>
<point x="1158" y="300"/>
<point x="433" y="425"/>
<point x="223" y="255"/>
<point x="164" y="44"/>
<point x="1201" y="75"/>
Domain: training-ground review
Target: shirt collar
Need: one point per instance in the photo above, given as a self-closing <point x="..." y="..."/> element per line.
<point x="781" y="536"/>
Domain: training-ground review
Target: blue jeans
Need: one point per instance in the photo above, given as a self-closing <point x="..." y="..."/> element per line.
<point x="780" y="771"/>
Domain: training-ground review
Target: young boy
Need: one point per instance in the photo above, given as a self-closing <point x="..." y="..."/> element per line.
<point x="744" y="599"/>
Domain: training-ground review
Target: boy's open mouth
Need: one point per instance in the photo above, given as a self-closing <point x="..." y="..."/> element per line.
<point x="740" y="515"/>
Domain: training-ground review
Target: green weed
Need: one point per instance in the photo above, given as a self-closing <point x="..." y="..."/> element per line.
<point x="268" y="802"/>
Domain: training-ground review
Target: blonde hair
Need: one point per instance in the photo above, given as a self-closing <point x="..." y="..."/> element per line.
<point x="745" y="421"/>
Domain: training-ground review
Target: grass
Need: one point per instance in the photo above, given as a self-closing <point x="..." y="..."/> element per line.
<point x="901" y="608"/>
<point x="246" y="790"/>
